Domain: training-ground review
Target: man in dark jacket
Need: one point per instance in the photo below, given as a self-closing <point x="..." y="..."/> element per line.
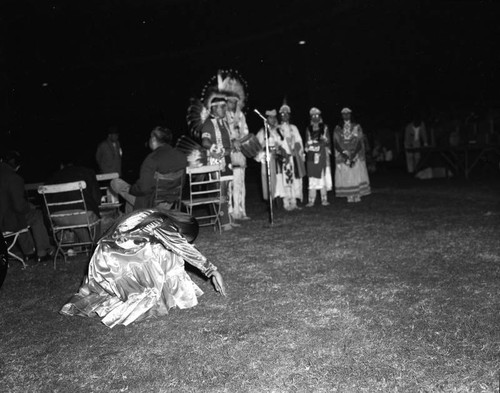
<point x="163" y="159"/>
<point x="17" y="213"/>
<point x="109" y="153"/>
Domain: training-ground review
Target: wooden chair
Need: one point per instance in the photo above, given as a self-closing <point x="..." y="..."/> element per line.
<point x="11" y="239"/>
<point x="205" y="195"/>
<point x="168" y="189"/>
<point x="110" y="204"/>
<point x="67" y="211"/>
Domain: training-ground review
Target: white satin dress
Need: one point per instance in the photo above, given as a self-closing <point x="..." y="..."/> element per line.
<point x="137" y="272"/>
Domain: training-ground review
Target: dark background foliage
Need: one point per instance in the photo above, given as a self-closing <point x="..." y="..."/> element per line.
<point x="71" y="69"/>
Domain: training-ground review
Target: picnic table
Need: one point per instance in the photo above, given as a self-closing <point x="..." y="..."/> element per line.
<point x="460" y="159"/>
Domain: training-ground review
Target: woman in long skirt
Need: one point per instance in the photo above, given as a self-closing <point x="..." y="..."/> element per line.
<point x="351" y="174"/>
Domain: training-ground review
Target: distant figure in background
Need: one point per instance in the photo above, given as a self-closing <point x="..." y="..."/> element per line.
<point x="71" y="172"/>
<point x="275" y="140"/>
<point x="318" y="151"/>
<point x="163" y="159"/>
<point x="238" y="128"/>
<point x="380" y="156"/>
<point x="351" y="174"/>
<point x="17" y="213"/>
<point x="294" y="167"/>
<point x="109" y="153"/>
<point x="415" y="137"/>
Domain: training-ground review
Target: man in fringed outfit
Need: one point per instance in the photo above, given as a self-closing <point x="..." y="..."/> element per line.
<point x="238" y="129"/>
<point x="294" y="167"/>
<point x="351" y="174"/>
<point x="275" y="140"/>
<point x="318" y="152"/>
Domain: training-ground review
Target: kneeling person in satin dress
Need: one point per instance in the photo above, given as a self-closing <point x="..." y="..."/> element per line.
<point x="137" y="270"/>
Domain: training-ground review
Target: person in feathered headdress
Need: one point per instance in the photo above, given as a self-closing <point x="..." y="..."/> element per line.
<point x="233" y="86"/>
<point x="216" y="139"/>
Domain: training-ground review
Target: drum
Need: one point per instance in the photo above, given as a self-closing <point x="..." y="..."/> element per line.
<point x="250" y="145"/>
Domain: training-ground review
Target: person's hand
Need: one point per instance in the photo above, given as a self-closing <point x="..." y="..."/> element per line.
<point x="237" y="145"/>
<point x="260" y="157"/>
<point x="218" y="283"/>
<point x="216" y="152"/>
<point x="352" y="159"/>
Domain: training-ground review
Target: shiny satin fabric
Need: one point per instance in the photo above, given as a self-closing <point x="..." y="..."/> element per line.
<point x="132" y="281"/>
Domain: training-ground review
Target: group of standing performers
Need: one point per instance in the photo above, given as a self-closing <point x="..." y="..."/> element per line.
<point x="286" y="163"/>
<point x="291" y="161"/>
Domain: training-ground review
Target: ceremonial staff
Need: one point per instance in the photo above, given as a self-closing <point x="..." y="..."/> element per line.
<point x="268" y="169"/>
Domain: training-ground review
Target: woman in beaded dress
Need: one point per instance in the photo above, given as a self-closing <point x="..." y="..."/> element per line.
<point x="351" y="174"/>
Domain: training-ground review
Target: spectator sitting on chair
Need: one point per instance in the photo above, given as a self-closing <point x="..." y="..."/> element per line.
<point x="17" y="213"/>
<point x="71" y="172"/>
<point x="163" y="159"/>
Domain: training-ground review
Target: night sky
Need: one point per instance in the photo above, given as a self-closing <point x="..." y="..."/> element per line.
<point x="70" y="69"/>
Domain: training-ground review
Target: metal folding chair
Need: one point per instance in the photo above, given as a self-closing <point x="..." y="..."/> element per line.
<point x="110" y="204"/>
<point x="168" y="189"/>
<point x="205" y="195"/>
<point x="67" y="211"/>
<point x="11" y="239"/>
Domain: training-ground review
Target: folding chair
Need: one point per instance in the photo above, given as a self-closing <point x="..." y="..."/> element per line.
<point x="11" y="239"/>
<point x="205" y="195"/>
<point x="110" y="204"/>
<point x="168" y="189"/>
<point x="67" y="211"/>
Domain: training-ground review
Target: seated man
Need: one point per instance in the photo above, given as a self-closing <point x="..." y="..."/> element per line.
<point x="163" y="159"/>
<point x="17" y="213"/>
<point x="70" y="172"/>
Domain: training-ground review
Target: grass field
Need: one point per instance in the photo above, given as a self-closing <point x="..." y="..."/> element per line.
<point x="400" y="293"/>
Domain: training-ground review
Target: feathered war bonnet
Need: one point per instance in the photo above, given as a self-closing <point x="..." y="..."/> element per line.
<point x="234" y="86"/>
<point x="226" y="84"/>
